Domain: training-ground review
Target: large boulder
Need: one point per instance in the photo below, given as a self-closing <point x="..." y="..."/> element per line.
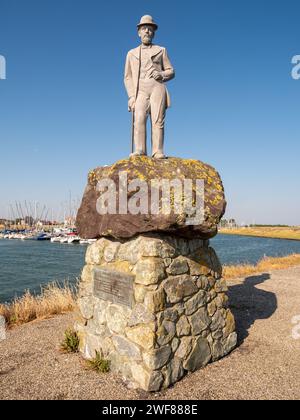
<point x="91" y="224"/>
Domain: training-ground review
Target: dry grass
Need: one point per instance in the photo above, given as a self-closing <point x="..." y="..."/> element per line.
<point x="54" y="299"/>
<point x="266" y="232"/>
<point x="266" y="264"/>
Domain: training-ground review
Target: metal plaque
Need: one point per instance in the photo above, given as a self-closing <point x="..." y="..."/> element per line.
<point x="114" y="286"/>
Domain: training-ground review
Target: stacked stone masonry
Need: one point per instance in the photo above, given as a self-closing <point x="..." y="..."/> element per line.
<point x="179" y="320"/>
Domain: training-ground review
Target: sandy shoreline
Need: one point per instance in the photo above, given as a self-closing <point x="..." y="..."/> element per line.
<point x="264" y="366"/>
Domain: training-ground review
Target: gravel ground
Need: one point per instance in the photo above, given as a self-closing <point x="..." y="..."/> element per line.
<point x="264" y="366"/>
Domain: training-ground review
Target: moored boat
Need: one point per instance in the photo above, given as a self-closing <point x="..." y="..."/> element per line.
<point x="73" y="240"/>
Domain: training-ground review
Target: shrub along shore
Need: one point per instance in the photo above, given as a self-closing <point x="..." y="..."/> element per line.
<point x="56" y="299"/>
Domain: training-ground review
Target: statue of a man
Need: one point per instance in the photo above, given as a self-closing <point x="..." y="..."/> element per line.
<point x="147" y="68"/>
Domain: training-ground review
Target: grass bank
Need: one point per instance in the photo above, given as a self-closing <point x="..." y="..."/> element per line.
<point x="55" y="299"/>
<point x="292" y="233"/>
<point x="266" y="264"/>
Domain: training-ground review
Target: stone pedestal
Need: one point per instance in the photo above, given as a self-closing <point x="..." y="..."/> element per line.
<point x="155" y="306"/>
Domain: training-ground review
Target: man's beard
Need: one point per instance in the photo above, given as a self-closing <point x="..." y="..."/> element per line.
<point x="147" y="39"/>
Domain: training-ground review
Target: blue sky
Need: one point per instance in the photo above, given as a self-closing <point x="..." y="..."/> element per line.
<point x="63" y="106"/>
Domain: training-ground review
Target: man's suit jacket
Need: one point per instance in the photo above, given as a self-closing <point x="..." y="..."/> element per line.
<point x="161" y="63"/>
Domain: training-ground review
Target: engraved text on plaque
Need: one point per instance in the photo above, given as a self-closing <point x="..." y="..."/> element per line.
<point x="114" y="286"/>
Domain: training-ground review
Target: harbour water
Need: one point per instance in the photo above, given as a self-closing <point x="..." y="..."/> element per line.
<point x="31" y="264"/>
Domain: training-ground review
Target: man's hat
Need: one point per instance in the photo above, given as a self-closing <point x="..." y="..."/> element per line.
<point x="147" y="20"/>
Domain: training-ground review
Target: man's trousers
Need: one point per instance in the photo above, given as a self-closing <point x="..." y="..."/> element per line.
<point x="151" y="100"/>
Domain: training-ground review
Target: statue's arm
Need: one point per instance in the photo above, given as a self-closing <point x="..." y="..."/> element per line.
<point x="168" y="72"/>
<point x="128" y="80"/>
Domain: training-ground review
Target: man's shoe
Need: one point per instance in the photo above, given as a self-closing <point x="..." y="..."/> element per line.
<point x="159" y="155"/>
<point x="137" y="154"/>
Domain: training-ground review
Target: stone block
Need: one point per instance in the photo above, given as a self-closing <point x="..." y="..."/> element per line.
<point x="126" y="348"/>
<point x="143" y="335"/>
<point x="110" y="252"/>
<point x="94" y="254"/>
<point x="148" y="381"/>
<point x="155" y="301"/>
<point x="196" y="302"/>
<point x="165" y="332"/>
<point x="179" y="287"/>
<point x="178" y="266"/>
<point x="157" y="358"/>
<point x="199" y="357"/>
<point x="140" y="315"/>
<point x="173" y="372"/>
<point x="149" y="271"/>
<point x="117" y="318"/>
<point x="185" y="347"/>
<point x="86" y="306"/>
<point x="199" y="321"/>
<point x="87" y="275"/>
<point x="183" y="326"/>
<point x="230" y="343"/>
